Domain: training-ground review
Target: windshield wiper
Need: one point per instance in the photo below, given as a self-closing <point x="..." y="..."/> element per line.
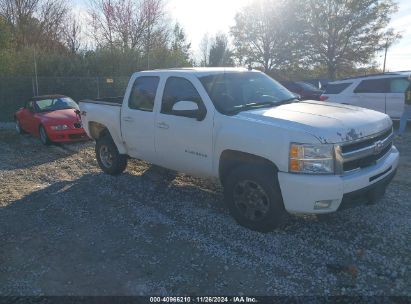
<point x="253" y="105"/>
<point x="258" y="105"/>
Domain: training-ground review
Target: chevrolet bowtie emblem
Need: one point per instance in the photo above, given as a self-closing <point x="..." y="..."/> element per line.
<point x="379" y="145"/>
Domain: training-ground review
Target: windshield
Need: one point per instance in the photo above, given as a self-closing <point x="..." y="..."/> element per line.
<point x="234" y="92"/>
<point x="54" y="104"/>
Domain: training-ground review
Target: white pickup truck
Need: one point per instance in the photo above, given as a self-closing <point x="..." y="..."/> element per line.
<point x="272" y="153"/>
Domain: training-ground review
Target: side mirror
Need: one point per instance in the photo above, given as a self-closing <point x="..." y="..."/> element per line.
<point x="188" y="109"/>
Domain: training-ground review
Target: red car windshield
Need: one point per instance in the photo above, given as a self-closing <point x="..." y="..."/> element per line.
<point x="55" y="104"/>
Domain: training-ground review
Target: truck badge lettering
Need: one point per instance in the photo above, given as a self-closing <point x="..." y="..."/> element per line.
<point x="196" y="153"/>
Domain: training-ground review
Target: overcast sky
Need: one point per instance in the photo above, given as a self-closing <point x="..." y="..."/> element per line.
<point x="199" y="17"/>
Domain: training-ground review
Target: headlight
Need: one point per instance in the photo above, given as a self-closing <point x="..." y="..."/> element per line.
<point x="312" y="158"/>
<point x="59" y="127"/>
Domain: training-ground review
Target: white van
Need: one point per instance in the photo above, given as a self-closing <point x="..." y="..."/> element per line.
<point x="383" y="92"/>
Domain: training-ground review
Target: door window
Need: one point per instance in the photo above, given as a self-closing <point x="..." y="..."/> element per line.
<point x="179" y="89"/>
<point x="373" y="86"/>
<point x="336" y="88"/>
<point x="399" y="85"/>
<point x="30" y="106"/>
<point x="143" y="93"/>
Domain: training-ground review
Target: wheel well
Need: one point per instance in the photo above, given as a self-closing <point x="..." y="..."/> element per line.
<point x="97" y="130"/>
<point x="230" y="159"/>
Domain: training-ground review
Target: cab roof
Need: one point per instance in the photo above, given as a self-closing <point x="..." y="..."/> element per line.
<point x="198" y="71"/>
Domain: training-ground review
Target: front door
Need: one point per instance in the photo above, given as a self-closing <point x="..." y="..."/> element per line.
<point x="138" y="117"/>
<point x="30" y="121"/>
<point x="183" y="143"/>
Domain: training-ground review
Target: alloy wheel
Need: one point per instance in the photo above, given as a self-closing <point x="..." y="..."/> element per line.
<point x="251" y="200"/>
<point x="43" y="135"/>
<point x="106" y="157"/>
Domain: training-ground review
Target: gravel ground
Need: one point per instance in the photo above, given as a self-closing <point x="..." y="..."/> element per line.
<point x="68" y="229"/>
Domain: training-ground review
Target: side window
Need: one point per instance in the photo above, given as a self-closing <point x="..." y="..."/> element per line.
<point x="372" y="86"/>
<point x="143" y="93"/>
<point x="293" y="87"/>
<point x="179" y="89"/>
<point x="336" y="88"/>
<point x="30" y="106"/>
<point x="399" y="85"/>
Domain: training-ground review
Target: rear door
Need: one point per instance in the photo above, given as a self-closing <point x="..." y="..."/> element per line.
<point x="138" y="117"/>
<point x="396" y="96"/>
<point x="370" y="94"/>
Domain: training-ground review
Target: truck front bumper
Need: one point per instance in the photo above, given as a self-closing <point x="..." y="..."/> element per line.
<point x="325" y="194"/>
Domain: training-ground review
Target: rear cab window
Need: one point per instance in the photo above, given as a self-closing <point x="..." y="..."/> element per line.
<point x="336" y="88"/>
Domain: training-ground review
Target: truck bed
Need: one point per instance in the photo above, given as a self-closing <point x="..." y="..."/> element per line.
<point x="110" y="101"/>
<point x="104" y="112"/>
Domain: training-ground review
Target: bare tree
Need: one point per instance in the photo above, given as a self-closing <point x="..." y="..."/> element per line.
<point x="154" y="30"/>
<point x="134" y="24"/>
<point x="102" y="22"/>
<point x="220" y="53"/>
<point x="35" y="22"/>
<point x="204" y="49"/>
<point x="263" y="33"/>
<point x="341" y="34"/>
<point x="72" y="34"/>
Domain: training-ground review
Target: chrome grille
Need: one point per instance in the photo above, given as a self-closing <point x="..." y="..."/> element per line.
<point x="364" y="152"/>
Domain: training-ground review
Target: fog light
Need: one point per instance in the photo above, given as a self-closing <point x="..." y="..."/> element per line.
<point x="322" y="204"/>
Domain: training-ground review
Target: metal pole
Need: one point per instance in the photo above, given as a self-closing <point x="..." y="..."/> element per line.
<point x="148" y="59"/>
<point x="35" y="72"/>
<point x="98" y="87"/>
<point x="385" y="56"/>
<point x="33" y="86"/>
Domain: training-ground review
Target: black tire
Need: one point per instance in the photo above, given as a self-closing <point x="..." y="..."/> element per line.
<point x="108" y="157"/>
<point x="44" y="138"/>
<point x="254" y="198"/>
<point x="18" y="127"/>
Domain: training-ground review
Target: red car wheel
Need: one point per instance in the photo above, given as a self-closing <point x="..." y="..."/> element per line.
<point x="18" y="127"/>
<point x="44" y="137"/>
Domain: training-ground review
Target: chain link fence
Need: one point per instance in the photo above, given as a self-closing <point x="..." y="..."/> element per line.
<point x="15" y="91"/>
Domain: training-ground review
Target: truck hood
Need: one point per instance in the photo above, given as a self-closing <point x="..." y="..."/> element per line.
<point x="329" y="122"/>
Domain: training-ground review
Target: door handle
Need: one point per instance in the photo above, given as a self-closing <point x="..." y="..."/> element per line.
<point x="163" y="125"/>
<point x="128" y="119"/>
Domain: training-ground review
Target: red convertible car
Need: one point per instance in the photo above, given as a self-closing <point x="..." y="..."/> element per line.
<point x="53" y="118"/>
